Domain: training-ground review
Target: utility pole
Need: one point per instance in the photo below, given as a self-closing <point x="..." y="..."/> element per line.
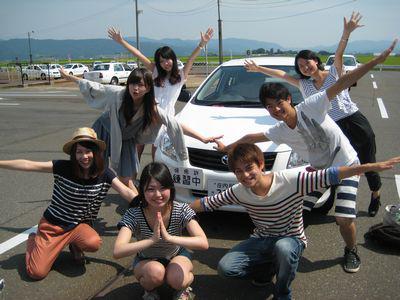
<point x="221" y="58"/>
<point x="29" y="45"/>
<point x="137" y="12"/>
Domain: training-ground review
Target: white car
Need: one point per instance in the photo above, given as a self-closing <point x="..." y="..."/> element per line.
<point x="226" y="103"/>
<point x="132" y="64"/>
<point x="112" y="73"/>
<point x="40" y="72"/>
<point x="75" y="69"/>
<point x="349" y="62"/>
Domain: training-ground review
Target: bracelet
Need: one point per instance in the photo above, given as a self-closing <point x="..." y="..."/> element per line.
<point x="201" y="47"/>
<point x="345" y="40"/>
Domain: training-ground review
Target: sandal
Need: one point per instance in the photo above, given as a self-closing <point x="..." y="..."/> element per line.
<point x="77" y="254"/>
<point x="374" y="205"/>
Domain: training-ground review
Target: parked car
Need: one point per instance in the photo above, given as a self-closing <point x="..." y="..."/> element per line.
<point x="112" y="73"/>
<point x="227" y="103"/>
<point x="76" y="69"/>
<point x="95" y="63"/>
<point x="40" y="72"/>
<point x="349" y="62"/>
<point x="132" y="64"/>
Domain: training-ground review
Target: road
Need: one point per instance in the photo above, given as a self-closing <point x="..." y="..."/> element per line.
<point x="34" y="124"/>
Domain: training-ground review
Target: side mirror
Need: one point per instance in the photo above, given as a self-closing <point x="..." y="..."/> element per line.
<point x="185" y="95"/>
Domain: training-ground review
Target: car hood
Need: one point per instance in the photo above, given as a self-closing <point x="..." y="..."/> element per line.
<point x="232" y="122"/>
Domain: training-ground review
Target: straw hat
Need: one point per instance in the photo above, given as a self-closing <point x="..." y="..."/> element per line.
<point x="84" y="134"/>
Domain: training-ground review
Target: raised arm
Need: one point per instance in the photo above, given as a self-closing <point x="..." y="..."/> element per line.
<point x="348" y="171"/>
<point x="68" y="77"/>
<point x="348" y="79"/>
<point x="27" y="165"/>
<point x="250" y="138"/>
<point x="115" y="34"/>
<point x="204" y="38"/>
<point x="348" y="28"/>
<point x="125" y="192"/>
<point x="251" y="66"/>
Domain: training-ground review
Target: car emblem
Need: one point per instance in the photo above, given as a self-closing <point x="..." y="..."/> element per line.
<point x="224" y="160"/>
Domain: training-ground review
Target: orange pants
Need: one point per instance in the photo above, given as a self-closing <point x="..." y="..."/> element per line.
<point x="43" y="248"/>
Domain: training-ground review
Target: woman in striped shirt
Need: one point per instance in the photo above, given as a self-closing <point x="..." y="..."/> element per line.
<point x="344" y="111"/>
<point x="80" y="186"/>
<point x="157" y="225"/>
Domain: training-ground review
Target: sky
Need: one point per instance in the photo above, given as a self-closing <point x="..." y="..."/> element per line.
<point x="295" y="23"/>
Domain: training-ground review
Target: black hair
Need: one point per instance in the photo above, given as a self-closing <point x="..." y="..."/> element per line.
<point x="149" y="102"/>
<point x="273" y="90"/>
<point x="159" y="172"/>
<point x="307" y="54"/>
<point x="166" y="53"/>
<point x="97" y="167"/>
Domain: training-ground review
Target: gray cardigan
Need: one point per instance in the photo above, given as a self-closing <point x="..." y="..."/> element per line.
<point x="109" y="98"/>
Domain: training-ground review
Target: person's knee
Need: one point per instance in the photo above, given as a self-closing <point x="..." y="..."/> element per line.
<point x="93" y="244"/>
<point x="154" y="275"/>
<point x="225" y="268"/>
<point x="37" y="272"/>
<point x="344" y="222"/>
<point x="286" y="252"/>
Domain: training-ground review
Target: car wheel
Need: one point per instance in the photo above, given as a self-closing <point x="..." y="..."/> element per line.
<point x="43" y="76"/>
<point x="25" y="76"/>
<point x="114" y="81"/>
<point x="70" y="73"/>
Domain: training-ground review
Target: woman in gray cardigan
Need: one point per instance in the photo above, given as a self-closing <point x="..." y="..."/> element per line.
<point x="131" y="116"/>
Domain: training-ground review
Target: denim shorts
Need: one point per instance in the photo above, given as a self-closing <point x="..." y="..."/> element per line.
<point x="164" y="261"/>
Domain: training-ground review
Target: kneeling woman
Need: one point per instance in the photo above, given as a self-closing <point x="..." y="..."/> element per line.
<point x="80" y="185"/>
<point x="157" y="224"/>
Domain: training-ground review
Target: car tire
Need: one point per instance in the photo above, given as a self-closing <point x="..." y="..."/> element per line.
<point x="114" y="81"/>
<point x="43" y="76"/>
<point x="25" y="76"/>
<point x="70" y="73"/>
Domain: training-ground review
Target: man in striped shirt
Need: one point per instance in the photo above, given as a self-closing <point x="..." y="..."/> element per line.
<point x="274" y="203"/>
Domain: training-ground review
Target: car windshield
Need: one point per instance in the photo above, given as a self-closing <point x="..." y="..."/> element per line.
<point x="235" y="87"/>
<point x="349" y="61"/>
<point x="68" y="66"/>
<point x="330" y="61"/>
<point x="102" y="67"/>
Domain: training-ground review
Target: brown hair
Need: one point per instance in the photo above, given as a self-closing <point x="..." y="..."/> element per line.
<point x="245" y="153"/>
<point x="96" y="169"/>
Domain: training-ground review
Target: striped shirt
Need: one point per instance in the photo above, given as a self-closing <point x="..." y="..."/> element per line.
<point x="342" y="106"/>
<point x="135" y="220"/>
<point x="279" y="213"/>
<point x="75" y="200"/>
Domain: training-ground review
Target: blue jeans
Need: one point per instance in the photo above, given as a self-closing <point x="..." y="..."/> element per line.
<point x="243" y="260"/>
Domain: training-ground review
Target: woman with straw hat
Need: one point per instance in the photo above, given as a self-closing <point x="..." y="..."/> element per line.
<point x="80" y="185"/>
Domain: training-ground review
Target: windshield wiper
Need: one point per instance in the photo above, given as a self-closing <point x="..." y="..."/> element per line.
<point x="231" y="103"/>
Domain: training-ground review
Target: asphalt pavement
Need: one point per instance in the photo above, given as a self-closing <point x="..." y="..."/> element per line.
<point x="34" y="124"/>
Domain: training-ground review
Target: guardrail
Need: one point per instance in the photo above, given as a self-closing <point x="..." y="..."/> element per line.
<point x="387" y="67"/>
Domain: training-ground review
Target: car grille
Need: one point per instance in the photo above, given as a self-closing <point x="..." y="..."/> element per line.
<point x="212" y="160"/>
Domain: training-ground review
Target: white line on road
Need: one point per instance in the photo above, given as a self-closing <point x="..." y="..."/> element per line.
<point x="372" y="75"/>
<point x="397" y="179"/>
<point x="382" y="108"/>
<point x="16" y="240"/>
<point x="37" y="95"/>
<point x="9" y="104"/>
<point x="374" y="85"/>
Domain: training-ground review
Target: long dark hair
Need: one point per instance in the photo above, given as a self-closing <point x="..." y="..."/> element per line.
<point x="166" y="53"/>
<point x="149" y="102"/>
<point x="159" y="172"/>
<point x="307" y="54"/>
<point x="97" y="167"/>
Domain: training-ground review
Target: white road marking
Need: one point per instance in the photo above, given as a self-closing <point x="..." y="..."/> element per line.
<point x="374" y="85"/>
<point x="397" y="179"/>
<point x="382" y="108"/>
<point x="30" y="95"/>
<point x="9" y="104"/>
<point x="372" y="75"/>
<point x="16" y="240"/>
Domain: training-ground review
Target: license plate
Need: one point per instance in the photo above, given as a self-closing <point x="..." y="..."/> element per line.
<point x="188" y="177"/>
<point x="218" y="186"/>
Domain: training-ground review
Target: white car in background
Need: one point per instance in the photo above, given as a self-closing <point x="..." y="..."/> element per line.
<point x="350" y="62"/>
<point x="227" y="103"/>
<point x="75" y="69"/>
<point x="40" y="72"/>
<point x="112" y="73"/>
<point x="132" y="64"/>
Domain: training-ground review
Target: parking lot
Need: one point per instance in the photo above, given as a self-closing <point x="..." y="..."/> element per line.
<point x="36" y="121"/>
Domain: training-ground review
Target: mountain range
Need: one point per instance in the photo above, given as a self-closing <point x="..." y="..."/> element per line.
<point x="102" y="48"/>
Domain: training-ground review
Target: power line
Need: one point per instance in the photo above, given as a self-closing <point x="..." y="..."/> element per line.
<point x="289" y="16"/>
<point x="253" y="6"/>
<point x="193" y="11"/>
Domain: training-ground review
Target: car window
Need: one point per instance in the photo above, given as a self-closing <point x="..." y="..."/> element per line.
<point x="75" y="67"/>
<point x="118" y="67"/>
<point x="68" y="66"/>
<point x="349" y="61"/>
<point x="102" y="67"/>
<point x="234" y="86"/>
<point x="330" y="61"/>
<point x="37" y="68"/>
<point x="127" y="68"/>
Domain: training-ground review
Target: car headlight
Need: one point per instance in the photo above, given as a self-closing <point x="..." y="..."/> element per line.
<point x="296" y="161"/>
<point x="167" y="148"/>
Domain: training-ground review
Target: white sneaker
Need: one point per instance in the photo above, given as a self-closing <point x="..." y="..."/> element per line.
<point x="186" y="294"/>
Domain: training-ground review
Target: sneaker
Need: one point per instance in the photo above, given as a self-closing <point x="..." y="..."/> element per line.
<point x="260" y="283"/>
<point x="186" y="294"/>
<point x="77" y="254"/>
<point x="373" y="207"/>
<point x="151" y="295"/>
<point x="352" y="261"/>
